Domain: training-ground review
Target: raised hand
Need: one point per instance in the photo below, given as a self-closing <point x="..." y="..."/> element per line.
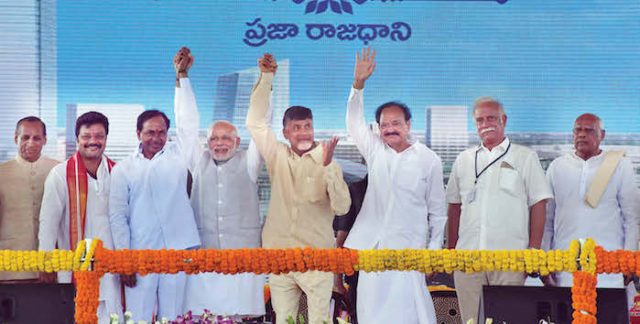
<point x="267" y="63"/>
<point x="182" y="62"/>
<point x="327" y="150"/>
<point x="365" y="64"/>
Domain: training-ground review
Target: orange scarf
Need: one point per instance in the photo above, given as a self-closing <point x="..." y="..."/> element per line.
<point x="77" y="183"/>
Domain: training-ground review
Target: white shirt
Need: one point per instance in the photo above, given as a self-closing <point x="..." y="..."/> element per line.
<point x="495" y="211"/>
<point x="149" y="207"/>
<point x="404" y="205"/>
<point x="614" y="223"/>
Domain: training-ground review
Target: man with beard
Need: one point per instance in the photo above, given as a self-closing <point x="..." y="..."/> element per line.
<point x="496" y="193"/>
<point x="594" y="196"/>
<point x="307" y="190"/>
<point x="21" y="187"/>
<point x="149" y="206"/>
<point x="403" y="208"/>
<point x="224" y="197"/>
<point x="75" y="205"/>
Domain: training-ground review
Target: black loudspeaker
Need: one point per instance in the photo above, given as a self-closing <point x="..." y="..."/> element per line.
<point x="446" y="305"/>
<point x="516" y="304"/>
<point x="36" y="303"/>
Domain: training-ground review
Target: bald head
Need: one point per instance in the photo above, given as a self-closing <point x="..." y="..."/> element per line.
<point x="223" y="140"/>
<point x="588" y="132"/>
<point x="591" y="118"/>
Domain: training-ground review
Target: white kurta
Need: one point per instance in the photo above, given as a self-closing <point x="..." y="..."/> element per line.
<point x="404" y="207"/>
<point x="614" y="223"/>
<point x="224" y="221"/>
<point x="54" y="227"/>
<point x="149" y="209"/>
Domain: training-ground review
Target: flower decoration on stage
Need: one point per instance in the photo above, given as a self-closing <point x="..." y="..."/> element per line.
<point x="583" y="298"/>
<point x="91" y="260"/>
<point x="87" y="296"/>
<point x="322" y="6"/>
<point x="47" y="261"/>
<point x="259" y="261"/>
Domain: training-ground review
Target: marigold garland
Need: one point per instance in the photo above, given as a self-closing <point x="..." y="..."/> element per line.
<point x="469" y="261"/>
<point x="260" y="261"/>
<point x="588" y="256"/>
<point x="87" y="296"/>
<point x="39" y="261"/>
<point x="584" y="262"/>
<point x="583" y="297"/>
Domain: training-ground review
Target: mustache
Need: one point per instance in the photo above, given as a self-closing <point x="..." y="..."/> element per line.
<point x="93" y="145"/>
<point x="392" y="133"/>
<point x="488" y="129"/>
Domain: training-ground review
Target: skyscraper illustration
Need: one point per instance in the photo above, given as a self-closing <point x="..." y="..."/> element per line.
<point x="28" y="61"/>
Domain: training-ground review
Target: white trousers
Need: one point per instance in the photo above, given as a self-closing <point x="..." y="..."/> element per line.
<point x="394" y="297"/>
<point x="240" y="294"/>
<point x="166" y="291"/>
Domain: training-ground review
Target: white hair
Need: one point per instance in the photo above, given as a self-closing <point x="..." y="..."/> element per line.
<point x="488" y="100"/>
<point x="222" y="122"/>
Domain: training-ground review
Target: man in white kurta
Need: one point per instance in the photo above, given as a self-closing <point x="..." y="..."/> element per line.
<point x="403" y="208"/>
<point x="496" y="195"/>
<point x="224" y="197"/>
<point x="149" y="206"/>
<point x="614" y="222"/>
<point x="55" y="215"/>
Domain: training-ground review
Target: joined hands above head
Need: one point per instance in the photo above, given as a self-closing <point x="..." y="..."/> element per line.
<point x="182" y="62"/>
<point x="267" y="64"/>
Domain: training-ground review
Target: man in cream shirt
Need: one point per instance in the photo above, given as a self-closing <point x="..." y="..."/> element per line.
<point x="594" y="196"/>
<point x="307" y="190"/>
<point x="496" y="193"/>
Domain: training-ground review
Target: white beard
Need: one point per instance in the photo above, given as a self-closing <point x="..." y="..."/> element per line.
<point x="224" y="156"/>
<point x="304" y="145"/>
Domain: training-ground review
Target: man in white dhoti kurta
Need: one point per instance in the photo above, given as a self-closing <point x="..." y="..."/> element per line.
<point x="149" y="205"/>
<point x="224" y="197"/>
<point x="404" y="206"/>
<point x="594" y="196"/>
<point x="75" y="205"/>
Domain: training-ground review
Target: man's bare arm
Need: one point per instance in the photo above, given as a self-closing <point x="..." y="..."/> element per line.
<point x="453" y="224"/>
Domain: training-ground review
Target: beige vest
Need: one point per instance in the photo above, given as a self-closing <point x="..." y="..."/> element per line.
<point x="21" y="189"/>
